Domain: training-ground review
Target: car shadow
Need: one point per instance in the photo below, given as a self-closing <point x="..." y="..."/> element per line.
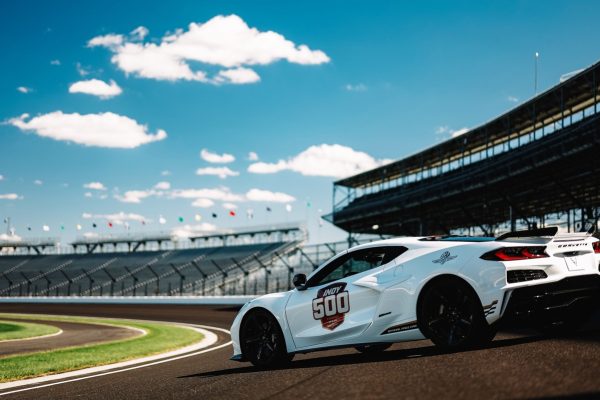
<point x="390" y="355"/>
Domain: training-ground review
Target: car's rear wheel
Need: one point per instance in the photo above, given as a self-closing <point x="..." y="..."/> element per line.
<point x="262" y="341"/>
<point x="451" y="315"/>
<point x="373" y="348"/>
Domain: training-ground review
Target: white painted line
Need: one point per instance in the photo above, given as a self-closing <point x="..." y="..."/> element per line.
<point x="60" y="331"/>
<point x="209" y="339"/>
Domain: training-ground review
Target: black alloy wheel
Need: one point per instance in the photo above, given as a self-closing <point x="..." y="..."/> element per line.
<point x="262" y="341"/>
<point x="451" y="315"/>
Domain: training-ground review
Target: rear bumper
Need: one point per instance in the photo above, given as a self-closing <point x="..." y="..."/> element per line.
<point x="554" y="301"/>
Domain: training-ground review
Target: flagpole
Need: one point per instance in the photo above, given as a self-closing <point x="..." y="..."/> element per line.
<point x="535" y="74"/>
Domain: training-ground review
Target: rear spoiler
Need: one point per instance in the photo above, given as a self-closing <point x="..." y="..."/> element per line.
<point x="545" y="232"/>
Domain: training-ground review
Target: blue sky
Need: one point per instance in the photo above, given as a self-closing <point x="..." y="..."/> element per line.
<point x="378" y="81"/>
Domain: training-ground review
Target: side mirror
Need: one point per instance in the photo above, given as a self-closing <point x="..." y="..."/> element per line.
<point x="299" y="281"/>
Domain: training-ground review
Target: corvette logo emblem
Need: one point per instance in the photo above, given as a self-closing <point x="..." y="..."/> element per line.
<point x="444" y="258"/>
<point x="331" y="304"/>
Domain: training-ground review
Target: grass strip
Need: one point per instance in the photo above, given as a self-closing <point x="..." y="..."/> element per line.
<point x="12" y="330"/>
<point x="159" y="338"/>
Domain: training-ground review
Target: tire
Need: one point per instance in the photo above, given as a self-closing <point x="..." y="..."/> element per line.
<point x="262" y="341"/>
<point x="451" y="315"/>
<point x="373" y="348"/>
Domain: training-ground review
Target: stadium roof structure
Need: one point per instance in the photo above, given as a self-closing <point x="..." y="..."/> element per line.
<point x="466" y="180"/>
<point x="36" y="244"/>
<point x="138" y="241"/>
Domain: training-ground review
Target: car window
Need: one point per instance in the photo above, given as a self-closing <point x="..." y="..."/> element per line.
<point x="355" y="262"/>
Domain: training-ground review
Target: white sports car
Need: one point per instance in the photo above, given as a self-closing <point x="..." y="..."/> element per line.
<point x="451" y="290"/>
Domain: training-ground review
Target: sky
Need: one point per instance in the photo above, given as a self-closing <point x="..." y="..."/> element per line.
<point x="136" y="113"/>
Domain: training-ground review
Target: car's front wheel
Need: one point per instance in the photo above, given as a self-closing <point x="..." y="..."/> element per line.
<point x="262" y="341"/>
<point x="451" y="315"/>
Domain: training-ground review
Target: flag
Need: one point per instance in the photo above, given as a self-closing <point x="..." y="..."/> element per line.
<point x="198" y="217"/>
<point x="180" y="219"/>
<point x="109" y="224"/>
<point x="214" y="215"/>
<point x="308" y="204"/>
<point x="143" y="222"/>
<point x="162" y="220"/>
<point x="78" y="227"/>
<point x="94" y="225"/>
<point x="268" y="209"/>
<point x="232" y="213"/>
<point x="46" y="228"/>
<point x="288" y="207"/>
<point x="62" y="227"/>
<point x="28" y="228"/>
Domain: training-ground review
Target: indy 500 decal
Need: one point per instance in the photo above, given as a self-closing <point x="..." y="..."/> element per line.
<point x="330" y="305"/>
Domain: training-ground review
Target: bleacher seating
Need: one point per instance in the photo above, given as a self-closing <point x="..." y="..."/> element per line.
<point x="207" y="270"/>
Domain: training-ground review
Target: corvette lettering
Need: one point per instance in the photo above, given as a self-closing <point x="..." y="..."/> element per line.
<point x="330" y="305"/>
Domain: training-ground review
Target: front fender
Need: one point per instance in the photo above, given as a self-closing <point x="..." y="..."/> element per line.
<point x="274" y="303"/>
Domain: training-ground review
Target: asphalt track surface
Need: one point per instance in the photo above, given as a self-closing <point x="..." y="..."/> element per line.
<point x="73" y="334"/>
<point x="516" y="365"/>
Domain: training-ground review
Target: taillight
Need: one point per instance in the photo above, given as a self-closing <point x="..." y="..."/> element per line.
<point x="516" y="253"/>
<point x="596" y="246"/>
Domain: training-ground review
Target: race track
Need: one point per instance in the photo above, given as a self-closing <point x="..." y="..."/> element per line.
<point x="516" y="365"/>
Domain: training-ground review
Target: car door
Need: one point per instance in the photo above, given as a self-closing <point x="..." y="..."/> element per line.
<point x="335" y="306"/>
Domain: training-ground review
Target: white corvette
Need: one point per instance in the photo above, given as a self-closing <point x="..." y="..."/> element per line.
<point x="451" y="290"/>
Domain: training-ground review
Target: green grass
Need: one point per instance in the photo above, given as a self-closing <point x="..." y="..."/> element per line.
<point x="159" y="338"/>
<point x="11" y="330"/>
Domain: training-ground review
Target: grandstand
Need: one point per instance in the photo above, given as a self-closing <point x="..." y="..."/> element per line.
<point x="534" y="165"/>
<point x="235" y="262"/>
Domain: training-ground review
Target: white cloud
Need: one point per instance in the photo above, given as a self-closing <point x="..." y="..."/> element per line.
<point x="118" y="218"/>
<point x="216" y="158"/>
<point x="1" y="178"/>
<point x="24" y="89"/>
<point x="332" y="160"/>
<point x="95" y="186"/>
<point x="513" y="99"/>
<point x="55" y="62"/>
<point x="110" y="41"/>
<point x="192" y="230"/>
<point x="88" y="194"/>
<point x="101" y="130"/>
<point x="135" y="196"/>
<point x="238" y="76"/>
<point x="459" y="132"/>
<point x="139" y="33"/>
<point x="252" y="156"/>
<point x="38" y="182"/>
<point x="203" y="203"/>
<point x="359" y="87"/>
<point x="225" y="41"/>
<point x="268" y="196"/>
<point x="10" y="196"/>
<point x="96" y="87"/>
<point x="229" y="206"/>
<point x="81" y="70"/>
<point x="445" y="131"/>
<point x="221" y="172"/>
<point x="220" y="194"/>
<point x="165" y="173"/>
<point x="162" y="186"/>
